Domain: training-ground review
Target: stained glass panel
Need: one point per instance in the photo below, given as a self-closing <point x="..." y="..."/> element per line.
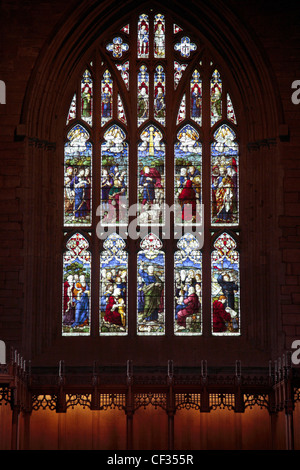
<point x="76" y="287"/>
<point x="87" y="97"/>
<point x="143" y="37"/>
<point x="151" y="279"/>
<point x="124" y="71"/>
<point x="77" y="176"/>
<point x="215" y="97"/>
<point x="178" y="71"/>
<point x="121" y="112"/>
<point x="182" y="110"/>
<point x="117" y="47"/>
<point x="185" y="47"/>
<point x="143" y="95"/>
<point x="106" y="98"/>
<point x="72" y="110"/>
<point x="224" y="171"/>
<point x="225" y="290"/>
<point x="151" y="177"/>
<point x="159" y="95"/>
<point x="176" y="29"/>
<point x="159" y="36"/>
<point x="188" y="287"/>
<point x="230" y="110"/>
<point x="113" y="287"/>
<point x="188" y="176"/>
<point x="196" y="97"/>
<point x="114" y="177"/>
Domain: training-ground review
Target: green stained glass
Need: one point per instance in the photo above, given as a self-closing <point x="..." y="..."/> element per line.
<point x="150" y="287"/>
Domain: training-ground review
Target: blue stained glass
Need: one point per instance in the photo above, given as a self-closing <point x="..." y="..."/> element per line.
<point x="76" y="287"/>
<point x="78" y="180"/>
<point x="188" y="287"/>
<point x="106" y="98"/>
<point x="151" y="279"/>
<point x="143" y="37"/>
<point x="185" y="47"/>
<point x="117" y="47"/>
<point x="159" y="95"/>
<point x="113" y="287"/>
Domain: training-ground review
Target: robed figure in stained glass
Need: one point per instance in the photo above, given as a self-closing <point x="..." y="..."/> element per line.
<point x="153" y="287"/>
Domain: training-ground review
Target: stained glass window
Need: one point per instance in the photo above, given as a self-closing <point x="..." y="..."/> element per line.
<point x="159" y="95"/>
<point x="76" y="287"/>
<point x="72" y="110"/>
<point x="225" y="286"/>
<point x="152" y="135"/>
<point x="159" y="36"/>
<point x="151" y="180"/>
<point x="114" y="177"/>
<point x="113" y="287"/>
<point x="188" y="287"/>
<point x="179" y="69"/>
<point x="143" y="95"/>
<point x="106" y="98"/>
<point x="216" y="97"/>
<point x="182" y="111"/>
<point x="224" y="169"/>
<point x="185" y="47"/>
<point x="188" y="176"/>
<point x="87" y="97"/>
<point x="78" y="179"/>
<point x="143" y="36"/>
<point x="150" y="287"/>
<point x="196" y="97"/>
<point x="124" y="70"/>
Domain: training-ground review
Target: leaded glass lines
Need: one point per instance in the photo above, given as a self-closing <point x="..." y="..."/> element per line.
<point x="152" y="122"/>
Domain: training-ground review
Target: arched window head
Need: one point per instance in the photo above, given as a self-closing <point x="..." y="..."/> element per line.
<point x="151" y="172"/>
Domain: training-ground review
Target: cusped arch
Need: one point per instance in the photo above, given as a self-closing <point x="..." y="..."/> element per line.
<point x="226" y="37"/>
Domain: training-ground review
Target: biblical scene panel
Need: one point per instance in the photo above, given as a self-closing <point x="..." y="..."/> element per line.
<point x="188" y="177"/>
<point x="76" y="287"/>
<point x="114" y="177"/>
<point x="113" y="287"/>
<point x="225" y="178"/>
<point x="150" y="285"/>
<point x="78" y="179"/>
<point x="225" y="291"/>
<point x="188" y="287"/>
<point x="151" y="177"/>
